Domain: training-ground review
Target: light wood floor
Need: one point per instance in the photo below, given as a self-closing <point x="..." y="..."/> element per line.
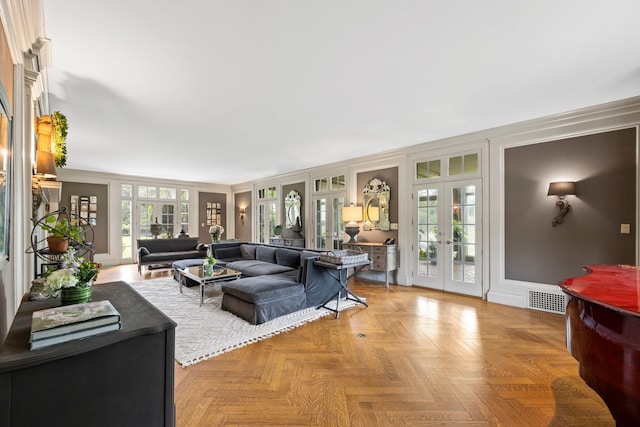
<point x="414" y="357"/>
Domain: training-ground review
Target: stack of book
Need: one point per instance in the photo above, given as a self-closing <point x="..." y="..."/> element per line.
<point x="71" y="322"/>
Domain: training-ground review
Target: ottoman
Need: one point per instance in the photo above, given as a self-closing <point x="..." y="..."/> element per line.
<point x="262" y="298"/>
<point x="181" y="265"/>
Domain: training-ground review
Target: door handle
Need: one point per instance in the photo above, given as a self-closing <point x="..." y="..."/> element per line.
<point x="448" y="242"/>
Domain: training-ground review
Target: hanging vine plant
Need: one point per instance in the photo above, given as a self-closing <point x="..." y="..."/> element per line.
<point x="60" y="127"/>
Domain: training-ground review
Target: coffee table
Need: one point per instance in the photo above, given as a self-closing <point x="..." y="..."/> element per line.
<point x="196" y="273"/>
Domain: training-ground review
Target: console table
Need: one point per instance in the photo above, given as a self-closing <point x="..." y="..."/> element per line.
<point x="121" y="378"/>
<point x="383" y="257"/>
<point x="279" y="241"/>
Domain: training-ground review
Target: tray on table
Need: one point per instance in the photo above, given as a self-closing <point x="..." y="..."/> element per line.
<point x="344" y="257"/>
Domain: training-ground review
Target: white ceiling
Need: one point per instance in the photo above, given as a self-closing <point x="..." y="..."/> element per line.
<point x="237" y="90"/>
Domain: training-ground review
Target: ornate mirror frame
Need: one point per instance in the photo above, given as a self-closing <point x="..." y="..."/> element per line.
<point x="376" y="196"/>
<point x="292" y="205"/>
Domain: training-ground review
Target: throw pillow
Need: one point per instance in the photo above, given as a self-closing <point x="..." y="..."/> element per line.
<point x="266" y="254"/>
<point x="248" y="251"/>
<point x="288" y="257"/>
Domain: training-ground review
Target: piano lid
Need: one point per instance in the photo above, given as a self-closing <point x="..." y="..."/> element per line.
<point x="614" y="286"/>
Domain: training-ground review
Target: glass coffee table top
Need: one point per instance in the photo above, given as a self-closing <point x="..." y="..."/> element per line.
<point x="196" y="273"/>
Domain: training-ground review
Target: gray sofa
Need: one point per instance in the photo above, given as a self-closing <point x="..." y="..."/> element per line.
<point x="162" y="252"/>
<point x="275" y="281"/>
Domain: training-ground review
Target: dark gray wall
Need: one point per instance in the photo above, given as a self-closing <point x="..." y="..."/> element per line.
<point x="203" y="228"/>
<point x="101" y="191"/>
<point x="604" y="168"/>
<point x="243" y="229"/>
<point x="390" y="176"/>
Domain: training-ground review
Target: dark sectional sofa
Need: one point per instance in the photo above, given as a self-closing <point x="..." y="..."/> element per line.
<point x="275" y="281"/>
<point x="162" y="252"/>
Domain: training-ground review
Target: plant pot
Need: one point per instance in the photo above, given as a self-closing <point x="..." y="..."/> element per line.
<point x="75" y="295"/>
<point x="57" y="244"/>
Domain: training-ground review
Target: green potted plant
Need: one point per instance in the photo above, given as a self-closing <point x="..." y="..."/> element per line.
<point x="61" y="128"/>
<point x="60" y="231"/>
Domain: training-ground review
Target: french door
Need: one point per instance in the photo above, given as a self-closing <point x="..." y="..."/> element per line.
<point x="267" y="214"/>
<point x="165" y="214"/>
<point x="328" y="228"/>
<point x="448" y="236"/>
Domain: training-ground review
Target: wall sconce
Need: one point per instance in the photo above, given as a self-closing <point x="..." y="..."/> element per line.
<point x="242" y="211"/>
<point x="352" y="214"/>
<point x="561" y="189"/>
<point x="45" y="165"/>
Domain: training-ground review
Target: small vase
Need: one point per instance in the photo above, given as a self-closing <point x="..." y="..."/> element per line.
<point x="75" y="295"/>
<point x="208" y="270"/>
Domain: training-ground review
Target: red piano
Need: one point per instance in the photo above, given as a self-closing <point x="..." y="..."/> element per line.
<point x="603" y="334"/>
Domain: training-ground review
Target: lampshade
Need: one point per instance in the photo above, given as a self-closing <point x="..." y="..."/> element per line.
<point x="562" y="188"/>
<point x="351" y="213"/>
<point x="45" y="164"/>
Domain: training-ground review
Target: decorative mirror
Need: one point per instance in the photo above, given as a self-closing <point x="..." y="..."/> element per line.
<point x="292" y="203"/>
<point x="375" y="198"/>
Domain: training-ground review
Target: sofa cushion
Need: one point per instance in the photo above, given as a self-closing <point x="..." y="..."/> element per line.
<point x="248" y="251"/>
<point x="261" y="289"/>
<point x="229" y="253"/>
<point x="266" y="254"/>
<point x="170" y="256"/>
<point x="250" y="267"/>
<point x="169" y="245"/>
<point x="288" y="257"/>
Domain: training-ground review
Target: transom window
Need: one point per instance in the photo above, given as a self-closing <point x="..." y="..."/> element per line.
<point x="267" y="193"/>
<point x="334" y="183"/>
<point x="451" y="166"/>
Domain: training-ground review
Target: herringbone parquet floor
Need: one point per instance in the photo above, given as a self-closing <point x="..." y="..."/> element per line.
<point x="414" y="357"/>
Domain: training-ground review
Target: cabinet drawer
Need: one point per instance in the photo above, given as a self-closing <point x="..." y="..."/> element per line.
<point x="380" y="258"/>
<point x="380" y="249"/>
<point x="379" y="265"/>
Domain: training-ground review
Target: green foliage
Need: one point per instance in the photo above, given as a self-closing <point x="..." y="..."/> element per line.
<point x="61" y="128"/>
<point x="61" y="228"/>
<point x="87" y="272"/>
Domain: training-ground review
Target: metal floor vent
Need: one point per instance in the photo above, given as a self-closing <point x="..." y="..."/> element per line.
<point x="547" y="301"/>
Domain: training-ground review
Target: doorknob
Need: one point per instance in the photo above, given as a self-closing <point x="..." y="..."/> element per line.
<point x="448" y="242"/>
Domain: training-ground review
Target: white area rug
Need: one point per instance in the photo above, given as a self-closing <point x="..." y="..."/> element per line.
<point x="207" y="331"/>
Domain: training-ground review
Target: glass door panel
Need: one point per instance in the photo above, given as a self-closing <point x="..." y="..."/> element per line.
<point x="429" y="238"/>
<point x="163" y="213"/>
<point x="262" y="220"/>
<point x="463" y="232"/>
<point x="320" y="223"/>
<point x="168" y="218"/>
<point x="337" y="236"/>
<point x="267" y="214"/>
<point x="145" y="219"/>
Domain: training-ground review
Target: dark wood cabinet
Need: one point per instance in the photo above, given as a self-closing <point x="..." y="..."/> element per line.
<point x="122" y="378"/>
